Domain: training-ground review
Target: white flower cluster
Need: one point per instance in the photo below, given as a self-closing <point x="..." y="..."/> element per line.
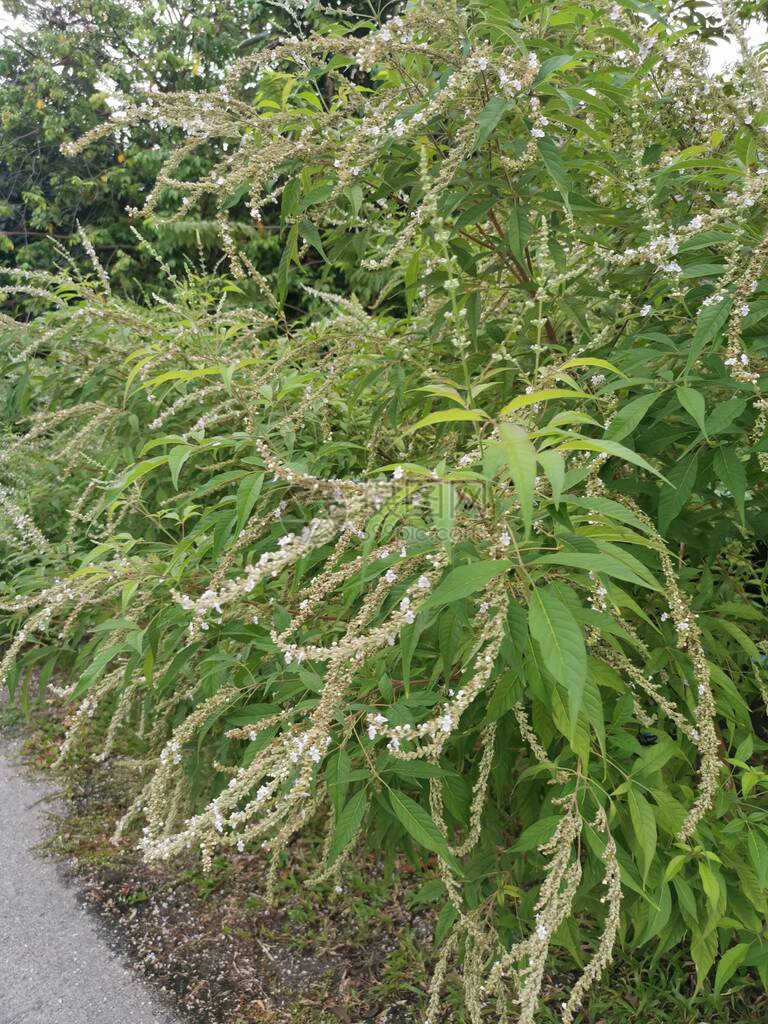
<point x="599" y="594"/>
<point x="306" y="746"/>
<point x="438" y="729"/>
<point x="171" y="752"/>
<point x="23" y="523"/>
<point x="355" y="648"/>
<point x="291" y="548"/>
<point x="282" y="775"/>
<point x="514" y="74"/>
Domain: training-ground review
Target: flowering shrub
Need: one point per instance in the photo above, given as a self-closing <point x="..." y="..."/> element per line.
<point x="468" y="567"/>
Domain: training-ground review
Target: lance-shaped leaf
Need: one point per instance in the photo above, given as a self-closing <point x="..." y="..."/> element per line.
<point x="545" y="395"/>
<point x="420" y="826"/>
<point x="693" y="403"/>
<point x="561" y="643"/>
<point x="521" y="461"/>
<point x="465" y="580"/>
<point x="730" y="469"/>
<point x="553" y="465"/>
<point x="682" y="478"/>
<point x="712" y="319"/>
<point x="592" y="361"/>
<point x="644" y="826"/>
<point x="449" y="416"/>
<point x="589" y="444"/>
<point x="629" y="416"/>
<point x="728" y="964"/>
<point x="347" y="824"/>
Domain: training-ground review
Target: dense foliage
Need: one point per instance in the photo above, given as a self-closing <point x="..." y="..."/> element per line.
<point x="61" y="64"/>
<point x="467" y="562"/>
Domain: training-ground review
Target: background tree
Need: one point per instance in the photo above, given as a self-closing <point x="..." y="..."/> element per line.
<point x="59" y="63"/>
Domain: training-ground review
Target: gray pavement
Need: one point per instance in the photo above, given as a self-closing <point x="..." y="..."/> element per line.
<point x="55" y="964"/>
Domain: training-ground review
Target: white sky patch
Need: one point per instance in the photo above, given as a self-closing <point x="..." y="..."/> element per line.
<point x="7" y="20"/>
<point x="726" y="52"/>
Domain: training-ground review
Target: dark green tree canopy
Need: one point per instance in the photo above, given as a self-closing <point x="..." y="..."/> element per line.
<point x="59" y="65"/>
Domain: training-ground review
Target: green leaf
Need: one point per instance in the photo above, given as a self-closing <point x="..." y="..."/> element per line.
<point x="710" y="884"/>
<point x="449" y="416"/>
<point x="675" y="866"/>
<point x="561" y="642"/>
<point x="592" y="711"/>
<point x="318" y="194"/>
<point x="444" y="391"/>
<point x="518" y="230"/>
<point x="539" y="832"/>
<point x="711" y="320"/>
<point x="445" y="921"/>
<point x="686" y="900"/>
<point x="646" y="8"/>
<point x="595" y="561"/>
<point x="284" y="266"/>
<point x="247" y="495"/>
<point x="693" y="402"/>
<point x="126" y="593"/>
<point x="521" y="461"/>
<point x="691" y="270"/>
<point x="609" y="509"/>
<point x="703" y="952"/>
<point x="610" y="448"/>
<point x="757" y="849"/>
<point x="658" y="916"/>
<point x="337" y="778"/>
<point x="504" y="697"/>
<point x="728" y="964"/>
<point x="457" y="795"/>
<point x="347" y="824"/>
<point x="553" y="162"/>
<point x="310" y="233"/>
<point x="553" y="465"/>
<point x="355" y="194"/>
<point x="430" y="892"/>
<point x="552" y="64"/>
<point x="670" y="813"/>
<point x="449" y="634"/>
<point x="415" y="769"/>
<point x="723" y="415"/>
<point x="176" y="459"/>
<point x="652" y="759"/>
<point x="730" y="469"/>
<point x="465" y="580"/>
<point x="592" y="361"/>
<point x="489" y="117"/>
<point x="290" y="198"/>
<point x="443" y="500"/>
<point x="629" y="416"/>
<point x="141" y="469"/>
<point x="545" y="395"/>
<point x="673" y="496"/>
<point x="96" y="667"/>
<point x="420" y="826"/>
<point x="644" y="827"/>
<point x="251" y="714"/>
<point x="743" y="639"/>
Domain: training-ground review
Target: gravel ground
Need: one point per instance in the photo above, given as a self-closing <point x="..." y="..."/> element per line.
<point x="56" y="966"/>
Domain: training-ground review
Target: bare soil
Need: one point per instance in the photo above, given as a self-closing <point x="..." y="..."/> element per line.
<point x="211" y="942"/>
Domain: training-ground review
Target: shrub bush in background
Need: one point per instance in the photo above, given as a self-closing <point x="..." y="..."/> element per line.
<point x="463" y="558"/>
<point x="60" y="62"/>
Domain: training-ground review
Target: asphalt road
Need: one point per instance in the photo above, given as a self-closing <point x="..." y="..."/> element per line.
<point x="56" y="966"/>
